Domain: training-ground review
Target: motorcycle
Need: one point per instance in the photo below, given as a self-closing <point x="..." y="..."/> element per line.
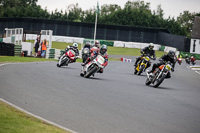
<point x="187" y="60"/>
<point x="158" y="75"/>
<point x="92" y="67"/>
<point x="66" y="58"/>
<point x="85" y="54"/>
<point x="193" y="61"/>
<point x="142" y="64"/>
<point x="179" y="60"/>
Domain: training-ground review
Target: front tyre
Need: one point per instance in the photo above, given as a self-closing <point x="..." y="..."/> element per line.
<point x="58" y="65"/>
<point x="148" y="82"/>
<point x="141" y="69"/>
<point x="159" y="81"/>
<point x="92" y="71"/>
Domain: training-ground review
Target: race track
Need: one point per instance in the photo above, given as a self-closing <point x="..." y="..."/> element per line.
<point x="116" y="101"/>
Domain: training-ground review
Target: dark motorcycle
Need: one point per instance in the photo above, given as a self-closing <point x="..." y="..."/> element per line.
<point x="158" y="75"/>
<point x="85" y="54"/>
<point x="187" y="60"/>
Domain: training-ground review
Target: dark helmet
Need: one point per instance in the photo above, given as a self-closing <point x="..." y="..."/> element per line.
<point x="103" y="49"/>
<point x="151" y="46"/>
<point x="171" y="54"/>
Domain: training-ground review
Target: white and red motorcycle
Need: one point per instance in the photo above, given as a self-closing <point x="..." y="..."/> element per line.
<point x="66" y="58"/>
<point x="93" y="67"/>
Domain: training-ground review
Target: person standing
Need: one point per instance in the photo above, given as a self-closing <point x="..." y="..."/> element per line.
<point x="36" y="46"/>
<point x="44" y="47"/>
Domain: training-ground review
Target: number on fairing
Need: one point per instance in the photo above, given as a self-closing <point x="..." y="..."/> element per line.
<point x="146" y="58"/>
<point x="169" y="67"/>
<point x="101" y="59"/>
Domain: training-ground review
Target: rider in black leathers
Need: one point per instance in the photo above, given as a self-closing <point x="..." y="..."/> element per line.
<point x="148" y="51"/>
<point x="165" y="58"/>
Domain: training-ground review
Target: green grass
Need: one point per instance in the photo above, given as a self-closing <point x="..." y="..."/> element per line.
<point x="111" y="50"/>
<point x="22" y="59"/>
<point x="15" y="121"/>
<point x="129" y="51"/>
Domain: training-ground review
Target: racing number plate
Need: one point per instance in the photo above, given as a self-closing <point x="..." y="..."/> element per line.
<point x="101" y="59"/>
<point x="168" y="67"/>
<point x="147" y="58"/>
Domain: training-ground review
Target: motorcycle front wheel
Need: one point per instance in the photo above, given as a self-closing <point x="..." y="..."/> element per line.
<point x="148" y="82"/>
<point x="159" y="81"/>
<point x="93" y="70"/>
<point x="141" y="69"/>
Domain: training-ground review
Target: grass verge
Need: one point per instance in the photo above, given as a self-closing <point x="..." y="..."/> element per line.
<point x="22" y="59"/>
<point x="15" y="121"/>
<point x="111" y="50"/>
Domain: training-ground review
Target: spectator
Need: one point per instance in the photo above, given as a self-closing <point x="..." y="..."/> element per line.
<point x="44" y="48"/>
<point x="36" y="46"/>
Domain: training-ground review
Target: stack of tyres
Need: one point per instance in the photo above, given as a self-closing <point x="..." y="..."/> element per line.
<point x="18" y="50"/>
<point x="51" y="53"/>
<point x="2" y="48"/>
<point x="10" y="49"/>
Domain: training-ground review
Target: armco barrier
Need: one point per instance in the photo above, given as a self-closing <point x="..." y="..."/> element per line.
<point x="108" y="43"/>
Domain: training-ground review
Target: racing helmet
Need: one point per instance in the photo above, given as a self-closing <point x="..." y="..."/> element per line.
<point x="103" y="49"/>
<point x="97" y="44"/>
<point x="151" y="46"/>
<point x="171" y="54"/>
<point x="75" y="45"/>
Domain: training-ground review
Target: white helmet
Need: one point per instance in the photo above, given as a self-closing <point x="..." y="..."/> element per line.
<point x="75" y="45"/>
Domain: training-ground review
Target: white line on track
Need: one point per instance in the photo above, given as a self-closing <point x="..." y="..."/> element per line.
<point x="197" y="72"/>
<point x="38" y="117"/>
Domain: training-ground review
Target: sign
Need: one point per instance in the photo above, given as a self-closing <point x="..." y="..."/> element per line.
<point x="195" y="46"/>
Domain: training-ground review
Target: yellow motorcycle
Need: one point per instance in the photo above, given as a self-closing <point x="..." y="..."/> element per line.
<point x="142" y="64"/>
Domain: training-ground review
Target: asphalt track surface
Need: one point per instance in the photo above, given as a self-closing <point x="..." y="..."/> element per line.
<point x="116" y="101"/>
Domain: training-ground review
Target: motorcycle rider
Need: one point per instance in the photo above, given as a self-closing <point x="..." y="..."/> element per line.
<point x="103" y="53"/>
<point x="73" y="47"/>
<point x="87" y="45"/>
<point x="192" y="59"/>
<point x="148" y="51"/>
<point x="170" y="56"/>
<point x="94" y="52"/>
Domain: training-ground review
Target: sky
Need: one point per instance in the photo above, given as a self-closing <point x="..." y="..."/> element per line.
<point x="171" y="7"/>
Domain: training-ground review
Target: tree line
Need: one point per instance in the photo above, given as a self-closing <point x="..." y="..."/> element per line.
<point x="135" y="13"/>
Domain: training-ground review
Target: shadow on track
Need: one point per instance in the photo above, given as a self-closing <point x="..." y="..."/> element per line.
<point x="162" y="88"/>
